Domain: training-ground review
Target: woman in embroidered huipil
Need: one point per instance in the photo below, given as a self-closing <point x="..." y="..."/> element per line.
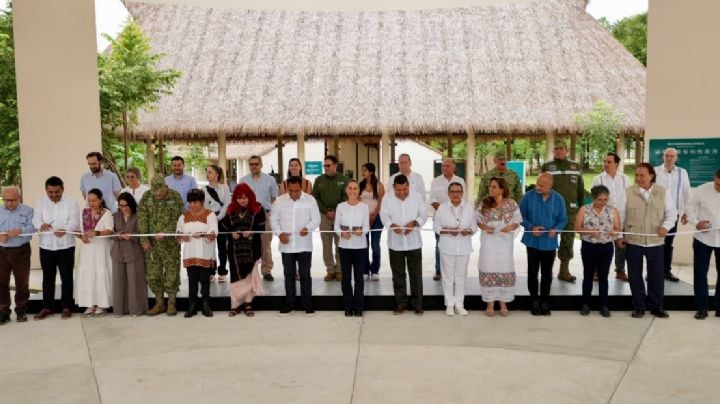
<point x="243" y="217"/>
<point x="198" y="228"/>
<point x="498" y="218"/>
<point x="93" y="279"/>
<point x="598" y="225"/>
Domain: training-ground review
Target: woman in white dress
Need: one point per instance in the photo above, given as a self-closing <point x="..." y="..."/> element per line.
<point x="498" y="218"/>
<point x="93" y="281"/>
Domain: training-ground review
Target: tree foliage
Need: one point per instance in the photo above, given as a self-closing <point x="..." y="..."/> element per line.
<point x="9" y="133"/>
<point x="632" y="33"/>
<point x="129" y="82"/>
<point x="600" y="127"/>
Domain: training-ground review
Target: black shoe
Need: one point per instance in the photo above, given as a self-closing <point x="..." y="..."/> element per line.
<point x="358" y="313"/>
<point x="206" y="311"/>
<point x="535" y="310"/>
<point x="672" y="278"/>
<point x="348" y="313"/>
<point x="701" y="314"/>
<point x="268" y="277"/>
<point x="638" y="313"/>
<point x="660" y="313"/>
<point x="21" y="317"/>
<point x="285" y="311"/>
<point x="604" y="312"/>
<point x="437" y="276"/>
<point x="717" y="313"/>
<point x="192" y="309"/>
<point x="4" y="317"/>
<point x="585" y="310"/>
<point x="309" y="312"/>
<point x="545" y="309"/>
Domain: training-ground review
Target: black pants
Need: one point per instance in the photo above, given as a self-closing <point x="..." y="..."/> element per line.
<point x="668" y="253"/>
<point x="540" y="260"/>
<point x="52" y="262"/>
<point x="222" y="246"/>
<point x="353" y="262"/>
<point x="701" y="265"/>
<point x="655" y="276"/>
<point x="198" y="275"/>
<point x="596" y="258"/>
<point x="294" y="263"/>
<point x="412" y="260"/>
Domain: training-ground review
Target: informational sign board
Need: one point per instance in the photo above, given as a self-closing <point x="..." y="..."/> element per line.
<point x="313" y="167"/>
<point x="519" y="168"/>
<point x="700" y="157"/>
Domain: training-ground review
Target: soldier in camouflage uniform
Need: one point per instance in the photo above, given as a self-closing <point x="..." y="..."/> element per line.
<point x="568" y="182"/>
<point x="500" y="171"/>
<point x="158" y="212"/>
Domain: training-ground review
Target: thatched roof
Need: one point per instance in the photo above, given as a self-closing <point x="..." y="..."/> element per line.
<point x="511" y="68"/>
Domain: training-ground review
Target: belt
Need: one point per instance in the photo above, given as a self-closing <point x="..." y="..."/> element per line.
<point x="14" y="248"/>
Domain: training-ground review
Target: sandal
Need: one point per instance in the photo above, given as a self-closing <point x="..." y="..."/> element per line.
<point x="234" y="312"/>
<point x="503" y="310"/>
<point x="222" y="279"/>
<point x="89" y="312"/>
<point x="249" y="311"/>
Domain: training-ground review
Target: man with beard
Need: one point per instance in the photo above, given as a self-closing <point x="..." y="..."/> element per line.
<point x="102" y="179"/>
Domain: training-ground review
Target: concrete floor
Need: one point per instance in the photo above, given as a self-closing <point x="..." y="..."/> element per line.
<point x="381" y="358"/>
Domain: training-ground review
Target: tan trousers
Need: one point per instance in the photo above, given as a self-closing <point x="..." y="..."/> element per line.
<point x="266" y="264"/>
<point x="331" y="256"/>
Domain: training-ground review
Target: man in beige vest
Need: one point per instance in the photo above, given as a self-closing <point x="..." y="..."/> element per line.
<point x="649" y="216"/>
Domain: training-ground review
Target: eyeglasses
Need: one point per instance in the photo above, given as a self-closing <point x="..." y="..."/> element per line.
<point x="254" y="164"/>
<point x="123" y="205"/>
<point x="130" y="176"/>
<point x="455" y="192"/>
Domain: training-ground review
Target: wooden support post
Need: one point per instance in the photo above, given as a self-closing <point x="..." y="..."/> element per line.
<point x="222" y="151"/>
<point x="573" y="146"/>
<point x="470" y="167"/>
<point x="449" y="145"/>
<point x="385" y="158"/>
<point x="620" y="150"/>
<point x="508" y="147"/>
<point x="281" y="166"/>
<point x="301" y="146"/>
<point x="150" y="159"/>
<point x="550" y="144"/>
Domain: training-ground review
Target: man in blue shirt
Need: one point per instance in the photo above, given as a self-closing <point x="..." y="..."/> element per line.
<point x="543" y="212"/>
<point x="180" y="182"/>
<point x="15" y="219"/>
<point x="102" y="179"/>
<point x="266" y="190"/>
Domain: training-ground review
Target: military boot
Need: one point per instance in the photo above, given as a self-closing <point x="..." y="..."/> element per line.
<point x="159" y="304"/>
<point x="171" y="309"/>
<point x="565" y="274"/>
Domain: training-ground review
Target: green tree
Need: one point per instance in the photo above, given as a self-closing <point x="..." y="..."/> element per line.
<point x="9" y="133"/>
<point x="632" y="33"/>
<point x="600" y="127"/>
<point x="129" y="81"/>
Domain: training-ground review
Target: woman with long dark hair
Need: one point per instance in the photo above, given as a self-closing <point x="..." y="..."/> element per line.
<point x="295" y="170"/>
<point x="93" y="282"/>
<point x="244" y="217"/>
<point x="372" y="192"/>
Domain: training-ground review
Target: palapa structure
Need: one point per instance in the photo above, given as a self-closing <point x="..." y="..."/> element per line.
<point x="518" y="69"/>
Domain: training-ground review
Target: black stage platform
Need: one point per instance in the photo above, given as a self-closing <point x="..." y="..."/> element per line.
<point x="379" y="295"/>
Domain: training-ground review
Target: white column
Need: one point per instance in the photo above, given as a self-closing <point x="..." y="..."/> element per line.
<point x="301" y="146"/>
<point x="470" y="167"/>
<point x="385" y="158"/>
<point x="222" y="151"/>
<point x="550" y="140"/>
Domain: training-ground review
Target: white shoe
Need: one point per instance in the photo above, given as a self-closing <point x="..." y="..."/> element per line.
<point x="366" y="277"/>
<point x="375" y="277"/>
<point x="461" y="311"/>
<point x="449" y="311"/>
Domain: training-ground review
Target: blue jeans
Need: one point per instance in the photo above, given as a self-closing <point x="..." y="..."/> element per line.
<point x="701" y="264"/>
<point x="373" y="266"/>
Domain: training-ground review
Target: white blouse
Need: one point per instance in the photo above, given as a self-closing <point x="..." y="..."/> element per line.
<point x="225" y="196"/>
<point x="351" y="217"/>
<point x="198" y="251"/>
<point x="137" y="193"/>
<point x="455" y="217"/>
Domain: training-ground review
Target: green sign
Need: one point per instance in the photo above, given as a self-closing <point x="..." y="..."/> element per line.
<point x="313" y="167"/>
<point x="519" y="168"/>
<point x="700" y="157"/>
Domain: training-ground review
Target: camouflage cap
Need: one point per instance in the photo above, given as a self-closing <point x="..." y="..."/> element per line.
<point x="500" y="155"/>
<point x="157" y="183"/>
<point x="560" y="143"/>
